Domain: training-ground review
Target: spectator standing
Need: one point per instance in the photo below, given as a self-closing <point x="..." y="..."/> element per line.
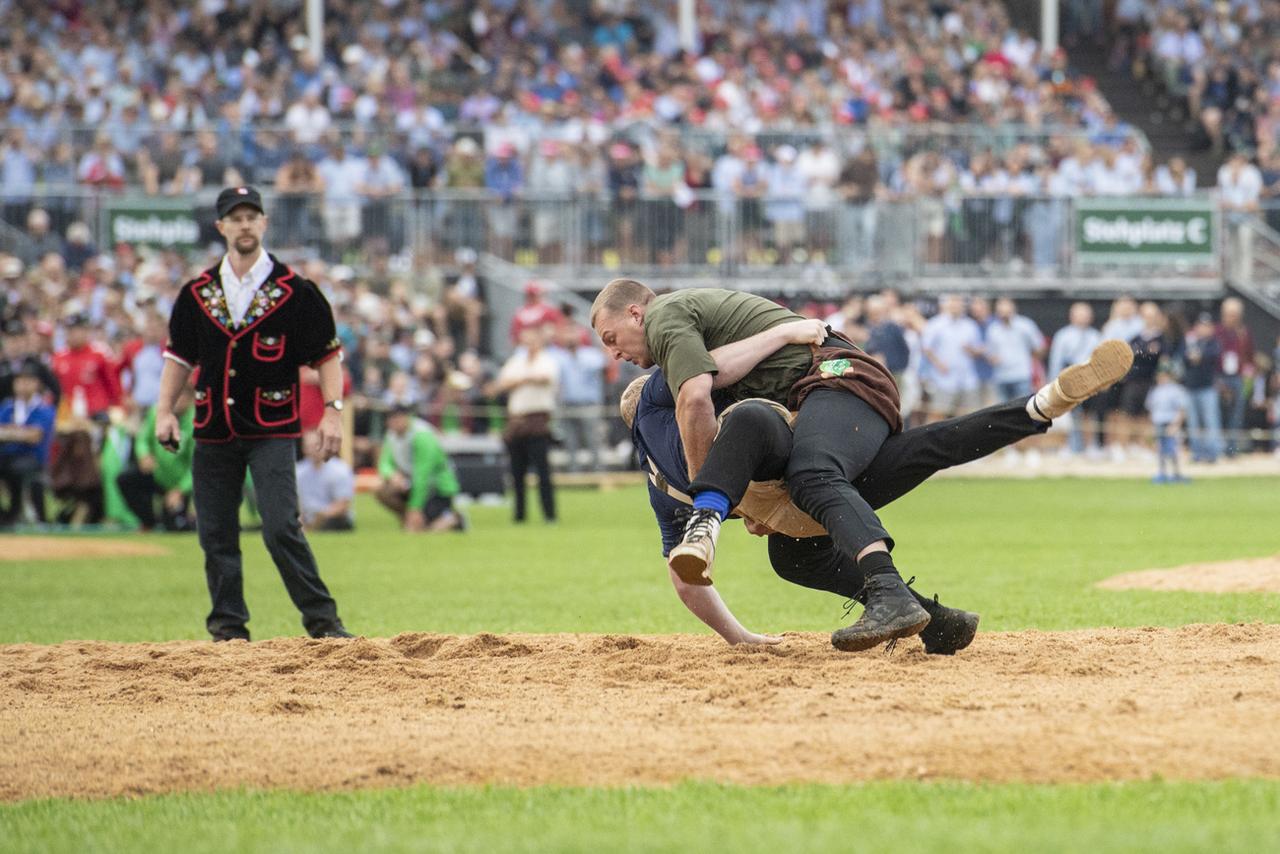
<point x="341" y="177"/>
<point x="18" y="160"/>
<point x="1201" y="355"/>
<point x="379" y="181"/>
<point x="1239" y="188"/>
<point x="308" y="119"/>
<point x="819" y="169"/>
<point x="418" y="483"/>
<point x="1014" y="343"/>
<point x="326" y="488"/>
<point x="950" y="343"/>
<point x="86" y="371"/>
<point x="529" y="379"/>
<point x="551" y="184"/>
<point x="41" y="240"/>
<point x="581" y="384"/>
<point x="980" y="311"/>
<point x="660" y="178"/>
<point x="164" y="171"/>
<point x="504" y="179"/>
<point x="856" y="215"/>
<point x="536" y="313"/>
<point x="464" y="171"/>
<point x="143" y="362"/>
<point x="886" y="339"/>
<point x="784" y="204"/>
<point x="1072" y="344"/>
<point x="26" y="431"/>
<point x="1175" y="178"/>
<point x="1150" y="345"/>
<point x="1168" y="403"/>
<point x="102" y="166"/>
<point x="298" y="186"/>
<point x="1235" y="367"/>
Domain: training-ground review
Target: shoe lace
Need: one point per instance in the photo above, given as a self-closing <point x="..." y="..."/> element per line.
<point x="697" y="521"/>
<point x="893" y="642"/>
<point x="854" y="600"/>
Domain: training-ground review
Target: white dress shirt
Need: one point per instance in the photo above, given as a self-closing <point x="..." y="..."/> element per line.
<point x="239" y="291"/>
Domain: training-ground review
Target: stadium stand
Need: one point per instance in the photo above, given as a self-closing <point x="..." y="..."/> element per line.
<point x="812" y="150"/>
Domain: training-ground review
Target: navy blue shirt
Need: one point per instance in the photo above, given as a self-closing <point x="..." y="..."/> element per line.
<point x="656" y="436"/>
<point x="888" y="340"/>
<point x="657" y="439"/>
<point x="1198" y="374"/>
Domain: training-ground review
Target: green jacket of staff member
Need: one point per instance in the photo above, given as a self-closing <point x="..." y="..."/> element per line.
<point x="172" y="471"/>
<point x="421" y="458"/>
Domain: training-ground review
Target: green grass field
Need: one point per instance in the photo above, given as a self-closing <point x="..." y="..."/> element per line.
<point x="1025" y="554"/>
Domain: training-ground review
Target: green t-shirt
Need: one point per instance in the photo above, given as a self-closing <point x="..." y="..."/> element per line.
<point x="682" y="327"/>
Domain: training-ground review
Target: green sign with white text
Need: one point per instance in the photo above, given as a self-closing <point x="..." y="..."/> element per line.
<point x="1116" y="231"/>
<point x="158" y="225"/>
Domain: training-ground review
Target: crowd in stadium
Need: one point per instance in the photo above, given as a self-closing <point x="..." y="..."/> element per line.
<point x="521" y="102"/>
<point x="1217" y="58"/>
<point x="83" y="337"/>
<point x="525" y="100"/>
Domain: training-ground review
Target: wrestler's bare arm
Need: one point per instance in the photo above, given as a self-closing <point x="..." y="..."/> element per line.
<point x="734" y="361"/>
<point x="704" y="602"/>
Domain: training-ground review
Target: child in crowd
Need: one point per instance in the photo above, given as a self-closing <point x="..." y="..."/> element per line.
<point x="1168" y="403"/>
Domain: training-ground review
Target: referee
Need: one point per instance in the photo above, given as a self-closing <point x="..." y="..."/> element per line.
<point x="245" y="327"/>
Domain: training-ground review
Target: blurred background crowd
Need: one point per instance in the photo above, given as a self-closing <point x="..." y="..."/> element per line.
<point x="800" y="121"/>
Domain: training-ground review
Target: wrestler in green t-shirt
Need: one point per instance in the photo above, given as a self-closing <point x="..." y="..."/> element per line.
<point x="680" y="328"/>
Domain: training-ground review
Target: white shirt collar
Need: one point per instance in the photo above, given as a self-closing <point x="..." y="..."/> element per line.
<point x="257" y="274"/>
<point x="239" y="292"/>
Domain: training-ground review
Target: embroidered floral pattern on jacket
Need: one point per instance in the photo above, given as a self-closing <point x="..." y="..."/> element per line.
<point x="215" y="302"/>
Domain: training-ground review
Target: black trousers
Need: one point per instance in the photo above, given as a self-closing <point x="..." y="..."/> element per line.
<point x="218" y="472"/>
<point x="755" y="443"/>
<point x="22" y="472"/>
<point x="836" y="436"/>
<point x="139" y="491"/>
<point x="528" y="452"/>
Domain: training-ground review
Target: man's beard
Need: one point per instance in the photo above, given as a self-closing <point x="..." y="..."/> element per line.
<point x="252" y="247"/>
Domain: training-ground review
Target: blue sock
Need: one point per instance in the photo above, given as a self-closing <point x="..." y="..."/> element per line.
<point x="712" y="499"/>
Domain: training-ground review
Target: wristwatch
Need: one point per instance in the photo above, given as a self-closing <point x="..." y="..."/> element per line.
<point x="334" y="404"/>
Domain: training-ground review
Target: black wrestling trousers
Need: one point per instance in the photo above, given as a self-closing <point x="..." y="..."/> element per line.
<point x="218" y="471"/>
<point x="755" y="443"/>
<point x="754" y="438"/>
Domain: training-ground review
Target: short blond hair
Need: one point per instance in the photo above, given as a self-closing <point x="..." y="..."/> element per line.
<point x="631" y="399"/>
<point x="619" y="294"/>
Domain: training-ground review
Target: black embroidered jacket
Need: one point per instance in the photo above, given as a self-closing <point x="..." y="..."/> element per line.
<point x="247" y="382"/>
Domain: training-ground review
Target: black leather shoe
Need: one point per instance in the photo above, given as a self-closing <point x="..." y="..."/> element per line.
<point x="891" y="612"/>
<point x="950" y="629"/>
<point x="230" y="634"/>
<point x="333" y="630"/>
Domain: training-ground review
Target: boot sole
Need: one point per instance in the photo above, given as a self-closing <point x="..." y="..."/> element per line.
<point x="905" y="626"/>
<point x="960" y="639"/>
<point x="1107" y="365"/>
<point x="690" y="568"/>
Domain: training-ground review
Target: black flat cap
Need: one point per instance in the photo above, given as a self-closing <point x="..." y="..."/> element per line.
<point x="233" y="197"/>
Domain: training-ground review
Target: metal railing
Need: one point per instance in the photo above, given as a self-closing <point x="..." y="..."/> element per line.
<point x="695" y="234"/>
<point x="258" y="148"/>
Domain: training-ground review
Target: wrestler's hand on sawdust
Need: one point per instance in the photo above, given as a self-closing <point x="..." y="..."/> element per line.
<point x="752" y="638"/>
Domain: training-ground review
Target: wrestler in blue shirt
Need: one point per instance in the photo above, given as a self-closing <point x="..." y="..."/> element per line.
<point x="753" y="444"/>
